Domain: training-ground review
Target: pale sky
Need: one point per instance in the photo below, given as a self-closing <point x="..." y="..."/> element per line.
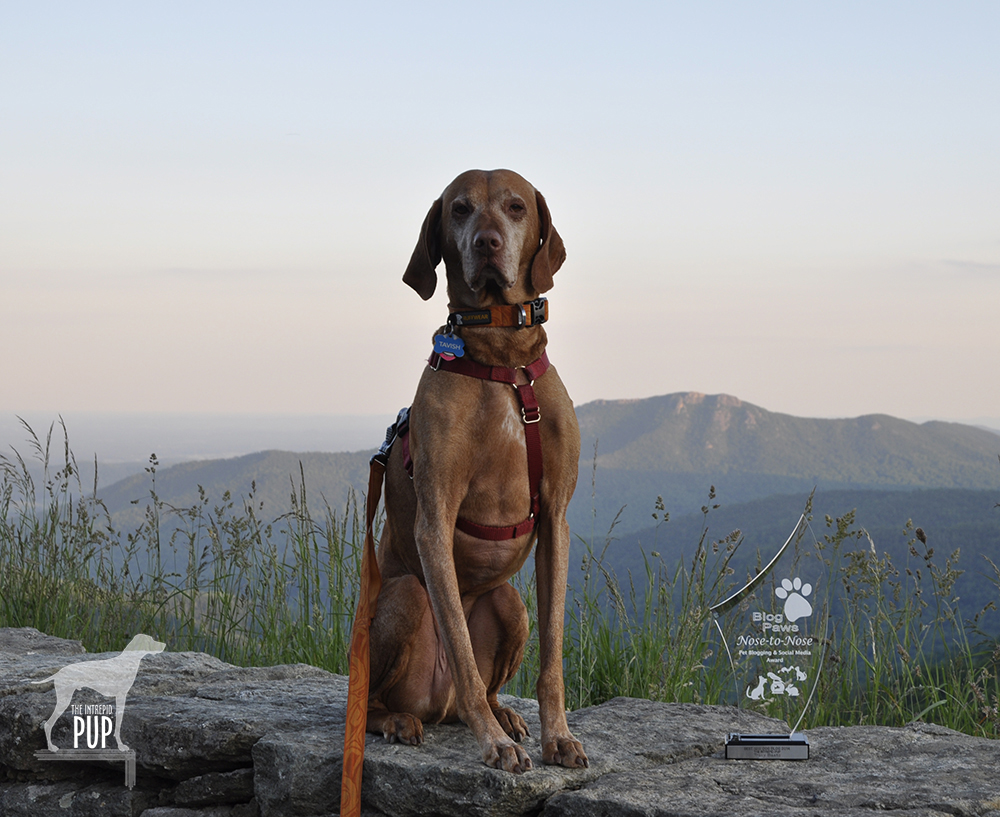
<point x="208" y="207"/>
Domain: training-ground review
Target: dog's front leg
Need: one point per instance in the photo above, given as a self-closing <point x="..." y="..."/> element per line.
<point x="435" y="543"/>
<point x="559" y="746"/>
<point x="119" y="711"/>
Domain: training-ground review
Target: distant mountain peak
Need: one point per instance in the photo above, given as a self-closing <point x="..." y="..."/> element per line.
<point x="696" y="398"/>
<point x="691" y="432"/>
<point x="677" y="400"/>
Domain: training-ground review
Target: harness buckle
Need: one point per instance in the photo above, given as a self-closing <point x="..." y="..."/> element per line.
<point x="536" y="415"/>
<point x="391" y="434"/>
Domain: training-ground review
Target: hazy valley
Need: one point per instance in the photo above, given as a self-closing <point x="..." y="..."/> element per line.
<point x="675" y="446"/>
<point x="763" y="466"/>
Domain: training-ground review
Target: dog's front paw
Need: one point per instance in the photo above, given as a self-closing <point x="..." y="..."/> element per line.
<point x="564" y="750"/>
<point x="511" y="723"/>
<point x="401" y="727"/>
<point x="507" y="756"/>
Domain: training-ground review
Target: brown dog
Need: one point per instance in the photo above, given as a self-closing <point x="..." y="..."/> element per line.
<point x="450" y="630"/>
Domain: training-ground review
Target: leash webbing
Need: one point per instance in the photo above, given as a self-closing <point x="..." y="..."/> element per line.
<point x="360" y="666"/>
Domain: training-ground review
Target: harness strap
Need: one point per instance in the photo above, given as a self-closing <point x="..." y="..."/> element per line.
<point x="500" y="374"/>
<point x="403" y="432"/>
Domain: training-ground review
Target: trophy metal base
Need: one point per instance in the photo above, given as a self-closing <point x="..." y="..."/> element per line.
<point x="767" y="747"/>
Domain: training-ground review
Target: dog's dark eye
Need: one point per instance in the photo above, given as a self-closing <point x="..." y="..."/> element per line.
<point x="460" y="209"/>
<point x="516" y="208"/>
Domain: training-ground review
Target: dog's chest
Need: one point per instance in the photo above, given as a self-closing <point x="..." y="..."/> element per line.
<point x="510" y="427"/>
<point x="500" y="456"/>
<point x="498" y="490"/>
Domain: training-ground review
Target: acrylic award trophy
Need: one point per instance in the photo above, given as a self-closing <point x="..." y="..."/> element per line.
<point x="774" y="631"/>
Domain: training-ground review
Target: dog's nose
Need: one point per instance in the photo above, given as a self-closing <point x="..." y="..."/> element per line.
<point x="487" y="241"/>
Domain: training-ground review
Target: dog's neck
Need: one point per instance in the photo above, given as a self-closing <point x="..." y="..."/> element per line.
<point x="512" y="347"/>
<point x="502" y="346"/>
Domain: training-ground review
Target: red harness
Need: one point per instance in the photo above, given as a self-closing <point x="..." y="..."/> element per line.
<point x="529" y="414"/>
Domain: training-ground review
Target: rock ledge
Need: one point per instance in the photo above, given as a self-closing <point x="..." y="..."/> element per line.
<point x="213" y="740"/>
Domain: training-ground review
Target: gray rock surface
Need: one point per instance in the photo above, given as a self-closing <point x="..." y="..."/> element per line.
<point x="213" y="740"/>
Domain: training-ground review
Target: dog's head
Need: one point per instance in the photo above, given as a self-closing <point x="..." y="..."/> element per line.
<point x="144" y="643"/>
<point x="495" y="235"/>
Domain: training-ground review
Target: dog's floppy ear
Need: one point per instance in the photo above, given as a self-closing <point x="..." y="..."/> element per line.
<point x="420" y="274"/>
<point x="551" y="253"/>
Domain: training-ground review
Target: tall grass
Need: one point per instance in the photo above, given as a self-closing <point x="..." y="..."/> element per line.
<point x="216" y="577"/>
<point x="213" y="576"/>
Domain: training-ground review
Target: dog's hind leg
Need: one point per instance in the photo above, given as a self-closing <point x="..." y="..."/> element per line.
<point x="63" y="701"/>
<point x="498" y="626"/>
<point x="48" y="733"/>
<point x="403" y="651"/>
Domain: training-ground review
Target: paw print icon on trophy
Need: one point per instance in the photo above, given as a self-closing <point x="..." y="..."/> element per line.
<point x="774" y="632"/>
<point x="794" y="594"/>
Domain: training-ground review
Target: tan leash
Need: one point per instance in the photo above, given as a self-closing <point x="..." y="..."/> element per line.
<point x="360" y="665"/>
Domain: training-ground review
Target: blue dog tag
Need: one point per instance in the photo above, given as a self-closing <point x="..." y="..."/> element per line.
<point x="449" y="346"/>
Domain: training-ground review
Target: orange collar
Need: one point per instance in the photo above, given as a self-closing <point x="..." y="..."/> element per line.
<point x="530" y="313"/>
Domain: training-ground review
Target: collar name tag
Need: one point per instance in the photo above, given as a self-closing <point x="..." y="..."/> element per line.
<point x="449" y="346"/>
